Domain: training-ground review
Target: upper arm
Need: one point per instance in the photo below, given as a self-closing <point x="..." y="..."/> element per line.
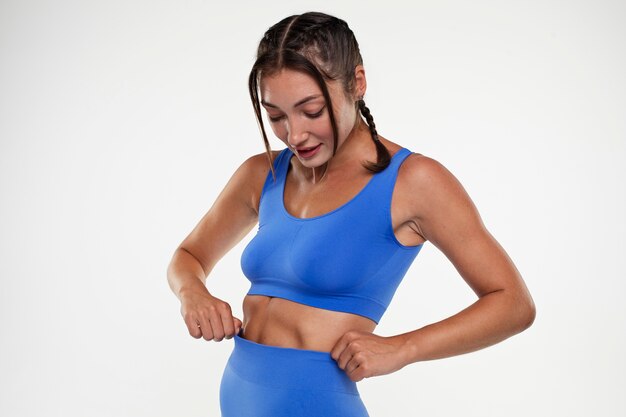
<point x="447" y="217"/>
<point x="231" y="217"/>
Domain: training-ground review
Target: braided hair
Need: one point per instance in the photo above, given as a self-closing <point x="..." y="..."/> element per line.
<point x="323" y="47"/>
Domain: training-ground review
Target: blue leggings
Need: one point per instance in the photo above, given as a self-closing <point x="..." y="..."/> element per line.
<point x="272" y="381"/>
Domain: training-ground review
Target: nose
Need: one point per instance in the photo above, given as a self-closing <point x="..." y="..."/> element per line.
<point x="297" y="133"/>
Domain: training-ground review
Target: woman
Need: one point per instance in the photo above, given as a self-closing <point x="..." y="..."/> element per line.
<point x="342" y="214"/>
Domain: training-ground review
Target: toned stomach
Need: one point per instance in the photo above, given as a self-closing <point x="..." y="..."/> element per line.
<point x="279" y="322"/>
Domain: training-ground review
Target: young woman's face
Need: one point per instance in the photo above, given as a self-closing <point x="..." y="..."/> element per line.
<point x="298" y="114"/>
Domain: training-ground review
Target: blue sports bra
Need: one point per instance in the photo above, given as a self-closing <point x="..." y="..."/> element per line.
<point x="346" y="260"/>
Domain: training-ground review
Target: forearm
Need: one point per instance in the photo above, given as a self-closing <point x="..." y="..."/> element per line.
<point x="185" y="273"/>
<point x="491" y="319"/>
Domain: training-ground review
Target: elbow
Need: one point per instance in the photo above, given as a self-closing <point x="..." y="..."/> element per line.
<point x="521" y="311"/>
<point x="527" y="314"/>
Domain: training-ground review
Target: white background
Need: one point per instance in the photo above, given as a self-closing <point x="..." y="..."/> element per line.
<point x="121" y="121"/>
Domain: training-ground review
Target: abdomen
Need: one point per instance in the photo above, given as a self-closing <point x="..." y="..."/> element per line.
<point x="280" y="322"/>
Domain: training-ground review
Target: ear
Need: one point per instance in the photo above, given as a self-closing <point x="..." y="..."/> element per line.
<point x="360" y="85"/>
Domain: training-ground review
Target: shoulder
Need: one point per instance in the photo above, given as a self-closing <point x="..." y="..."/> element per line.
<point x="252" y="174"/>
<point x="418" y="170"/>
<point x="421" y="170"/>
<point x="258" y="164"/>
<point x="432" y="188"/>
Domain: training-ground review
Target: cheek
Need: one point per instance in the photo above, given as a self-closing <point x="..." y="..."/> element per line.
<point x="345" y="118"/>
<point x="349" y="118"/>
<point x="279" y="131"/>
<point x="323" y="128"/>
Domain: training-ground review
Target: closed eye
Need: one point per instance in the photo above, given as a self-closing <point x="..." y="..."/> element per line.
<point x="316" y="115"/>
<point x="310" y="116"/>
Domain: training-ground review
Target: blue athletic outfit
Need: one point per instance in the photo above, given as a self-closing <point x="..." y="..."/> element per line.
<point x="346" y="260"/>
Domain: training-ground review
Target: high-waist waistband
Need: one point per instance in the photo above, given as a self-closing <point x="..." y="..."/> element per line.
<point x="288" y="367"/>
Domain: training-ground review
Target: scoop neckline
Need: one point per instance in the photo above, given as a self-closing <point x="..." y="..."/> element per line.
<point x="346" y="204"/>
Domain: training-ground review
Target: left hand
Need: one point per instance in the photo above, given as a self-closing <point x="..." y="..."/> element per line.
<point x="362" y="355"/>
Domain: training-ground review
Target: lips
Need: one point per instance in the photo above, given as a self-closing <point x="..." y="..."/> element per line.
<point x="306" y="153"/>
<point x="306" y="149"/>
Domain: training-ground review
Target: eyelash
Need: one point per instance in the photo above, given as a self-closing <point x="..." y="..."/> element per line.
<point x="310" y="116"/>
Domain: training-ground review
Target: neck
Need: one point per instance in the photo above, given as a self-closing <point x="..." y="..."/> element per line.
<point x="355" y="148"/>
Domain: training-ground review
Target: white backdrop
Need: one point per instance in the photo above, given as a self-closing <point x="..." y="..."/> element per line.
<point x="121" y="121"/>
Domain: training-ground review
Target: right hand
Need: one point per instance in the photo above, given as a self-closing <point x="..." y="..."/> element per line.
<point x="208" y="316"/>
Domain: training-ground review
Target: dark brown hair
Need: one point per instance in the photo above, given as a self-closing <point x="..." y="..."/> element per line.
<point x="323" y="47"/>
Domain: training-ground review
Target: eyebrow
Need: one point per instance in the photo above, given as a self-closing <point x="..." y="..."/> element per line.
<point x="304" y="100"/>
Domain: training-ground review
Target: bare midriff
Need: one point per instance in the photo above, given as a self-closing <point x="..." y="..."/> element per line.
<point x="280" y="322"/>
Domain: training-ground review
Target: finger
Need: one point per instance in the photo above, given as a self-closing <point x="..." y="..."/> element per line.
<point x="358" y="374"/>
<point x="352" y="364"/>
<point x="228" y="324"/>
<point x="216" y="326"/>
<point x="339" y="347"/>
<point x="353" y="348"/>
<point x="344" y="358"/>
<point x="205" y="327"/>
<point x="238" y="325"/>
<point x="193" y="327"/>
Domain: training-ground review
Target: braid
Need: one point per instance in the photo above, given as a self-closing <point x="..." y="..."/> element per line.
<point x="370" y="120"/>
<point x="383" y="158"/>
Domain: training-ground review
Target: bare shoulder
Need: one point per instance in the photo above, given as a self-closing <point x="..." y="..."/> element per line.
<point x="254" y="171"/>
<point x="258" y="164"/>
<point x="434" y="198"/>
<point x="424" y="172"/>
